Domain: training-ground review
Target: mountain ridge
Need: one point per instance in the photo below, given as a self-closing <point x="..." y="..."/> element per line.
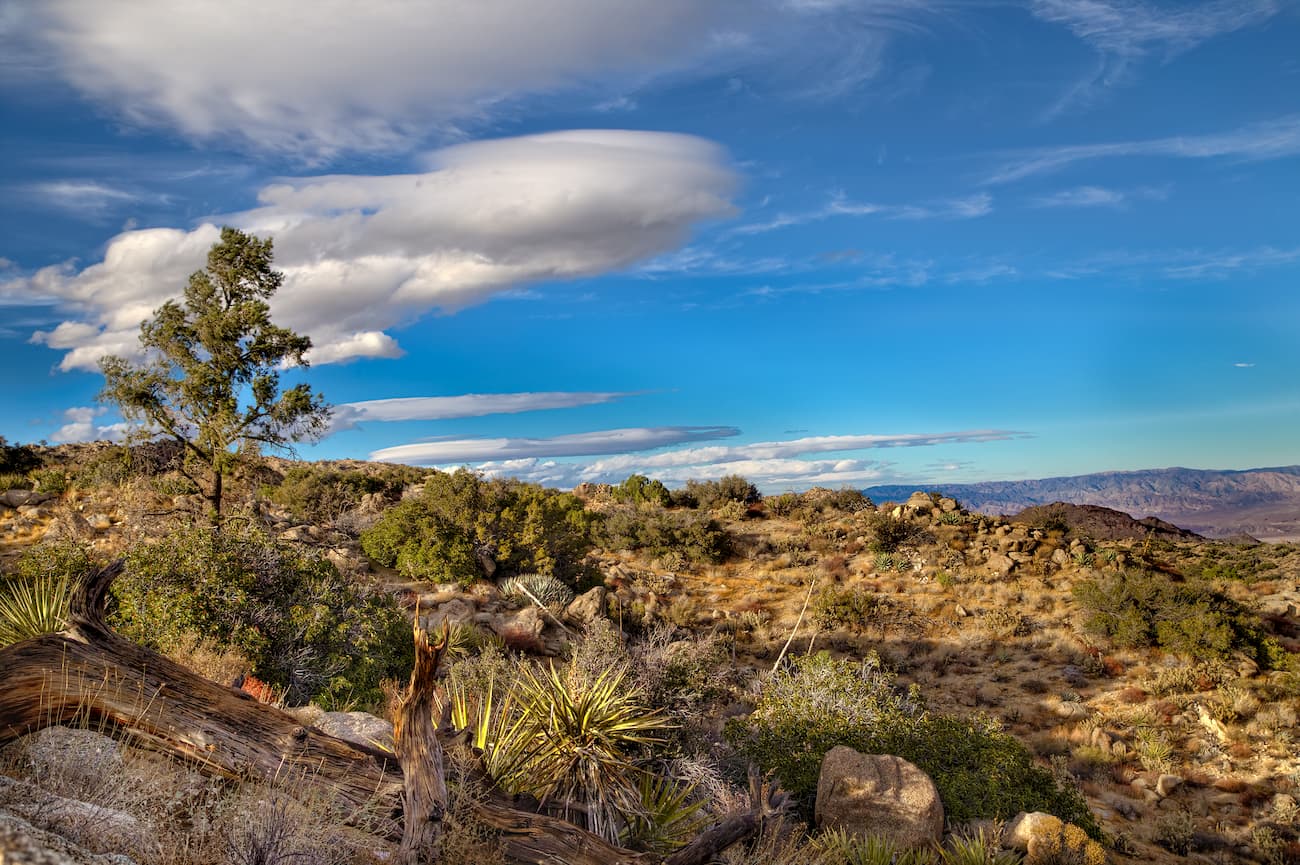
<point x="1261" y="502"/>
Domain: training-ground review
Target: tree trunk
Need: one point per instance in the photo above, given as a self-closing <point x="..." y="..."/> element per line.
<point x="419" y="752"/>
<point x="214" y="500"/>
<point x="89" y="673"/>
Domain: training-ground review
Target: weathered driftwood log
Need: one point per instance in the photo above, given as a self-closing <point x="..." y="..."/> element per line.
<point x="87" y="672"/>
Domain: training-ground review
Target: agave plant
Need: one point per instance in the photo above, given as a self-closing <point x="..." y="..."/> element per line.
<point x="543" y="589"/>
<point x="33" y="606"/>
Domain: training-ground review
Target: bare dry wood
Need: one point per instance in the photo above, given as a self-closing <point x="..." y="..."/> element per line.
<point x="419" y="752"/>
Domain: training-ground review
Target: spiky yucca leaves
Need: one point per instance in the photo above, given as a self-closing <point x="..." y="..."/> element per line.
<point x="980" y="848"/>
<point x="31" y="606"/>
<point x="668" y="817"/>
<point x="838" y="847"/>
<point x="540" y="588"/>
<point x="569" y="740"/>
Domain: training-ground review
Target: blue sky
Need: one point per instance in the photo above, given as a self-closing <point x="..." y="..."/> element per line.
<point x="809" y="241"/>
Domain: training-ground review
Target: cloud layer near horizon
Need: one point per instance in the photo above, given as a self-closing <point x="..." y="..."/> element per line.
<point x="772" y="464"/>
<point x="362" y="254"/>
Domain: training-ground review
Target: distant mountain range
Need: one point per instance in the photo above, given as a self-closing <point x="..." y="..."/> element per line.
<point x="1263" y="503"/>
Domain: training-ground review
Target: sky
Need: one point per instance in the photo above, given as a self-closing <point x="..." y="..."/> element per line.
<point x="812" y="242"/>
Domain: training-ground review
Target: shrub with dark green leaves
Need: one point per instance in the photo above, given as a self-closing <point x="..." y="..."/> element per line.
<point x="888" y="532"/>
<point x="817" y="702"/>
<point x="639" y="489"/>
<point x="316" y="493"/>
<point x="665" y="534"/>
<point x="463" y="521"/>
<point x="715" y="494"/>
<point x="1191" y="618"/>
<point x="301" y="624"/>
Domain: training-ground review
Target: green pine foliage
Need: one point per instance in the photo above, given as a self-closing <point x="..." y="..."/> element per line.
<point x="319" y="494"/>
<point x="462" y="521"/>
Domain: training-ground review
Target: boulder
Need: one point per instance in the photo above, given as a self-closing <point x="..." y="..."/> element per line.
<point x="17" y="498"/>
<point x="918" y="503"/>
<point x="525" y="625"/>
<point x="1000" y="563"/>
<point x="878" y="794"/>
<point x="102" y="830"/>
<point x="588" y="606"/>
<point x="77" y="760"/>
<point x="1048" y="840"/>
<point x="456" y="612"/>
<point x="361" y="728"/>
<point x="21" y="843"/>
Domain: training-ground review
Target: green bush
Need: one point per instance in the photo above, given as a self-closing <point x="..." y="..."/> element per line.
<point x="300" y="624"/>
<point x="715" y="494"/>
<point x="318" y="494"/>
<point x="888" y="533"/>
<point x="462" y="521"/>
<point x="1190" y="618"/>
<point x="15" y="481"/>
<point x="54" y="481"/>
<point x="665" y="534"/>
<point x="817" y="702"/>
<point x="639" y="489"/>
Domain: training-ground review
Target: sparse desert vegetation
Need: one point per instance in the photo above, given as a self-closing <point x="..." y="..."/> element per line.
<point x="627" y="655"/>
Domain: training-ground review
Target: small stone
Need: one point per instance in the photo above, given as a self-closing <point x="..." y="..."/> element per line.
<point x="1167" y="784"/>
<point x="100" y="522"/>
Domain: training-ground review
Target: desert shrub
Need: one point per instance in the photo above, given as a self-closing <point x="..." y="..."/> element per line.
<point x="639" y="489"/>
<point x="107" y="468"/>
<point x="317" y="493"/>
<point x="52" y="480"/>
<point x="816" y="703"/>
<point x="662" y="533"/>
<point x="1190" y="618"/>
<point x="845" y="500"/>
<point x="714" y="494"/>
<point x="782" y="505"/>
<point x="15" y="481"/>
<point x="461" y="521"/>
<point x="17" y="459"/>
<point x="302" y="626"/>
<point x="888" y="533"/>
<point x="847" y="608"/>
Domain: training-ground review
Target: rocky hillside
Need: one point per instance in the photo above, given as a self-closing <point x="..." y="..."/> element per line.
<point x="1042" y="628"/>
<point x="1263" y="503"/>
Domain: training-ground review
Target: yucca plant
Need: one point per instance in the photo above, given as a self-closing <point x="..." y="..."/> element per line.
<point x="980" y="848"/>
<point x="838" y="847"/>
<point x="539" y="588"/>
<point x="31" y="606"/>
<point x="668" y="817"/>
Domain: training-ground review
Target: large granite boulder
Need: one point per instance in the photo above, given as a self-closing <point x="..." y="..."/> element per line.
<point x="878" y="794"/>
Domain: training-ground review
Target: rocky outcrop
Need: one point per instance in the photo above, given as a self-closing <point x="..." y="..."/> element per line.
<point x="876" y="794"/>
<point x="21" y="843"/>
<point x="100" y="829"/>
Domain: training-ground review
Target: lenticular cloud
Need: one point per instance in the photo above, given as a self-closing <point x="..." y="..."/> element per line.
<point x="362" y="254"/>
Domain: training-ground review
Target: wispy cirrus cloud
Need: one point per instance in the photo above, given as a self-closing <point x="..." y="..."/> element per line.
<point x="967" y="207"/>
<point x="88" y="198"/>
<point x="1124" y="32"/>
<point x="456" y="451"/>
<point x="1099" y="196"/>
<point x="415" y="408"/>
<point x="362" y="253"/>
<point x="1270" y="139"/>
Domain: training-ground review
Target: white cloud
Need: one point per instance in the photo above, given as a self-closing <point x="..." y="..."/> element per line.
<point x="1271" y="139"/>
<point x="90" y="199"/>
<point x="80" y="426"/>
<point x="362" y="254"/>
<point x="348" y="415"/>
<point x="968" y="207"/>
<point x="1100" y="196"/>
<point x="1124" y="32"/>
<point x="458" y="451"/>
<point x="771" y="465"/>
<point x="1243" y="365"/>
<point x="317" y="78"/>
